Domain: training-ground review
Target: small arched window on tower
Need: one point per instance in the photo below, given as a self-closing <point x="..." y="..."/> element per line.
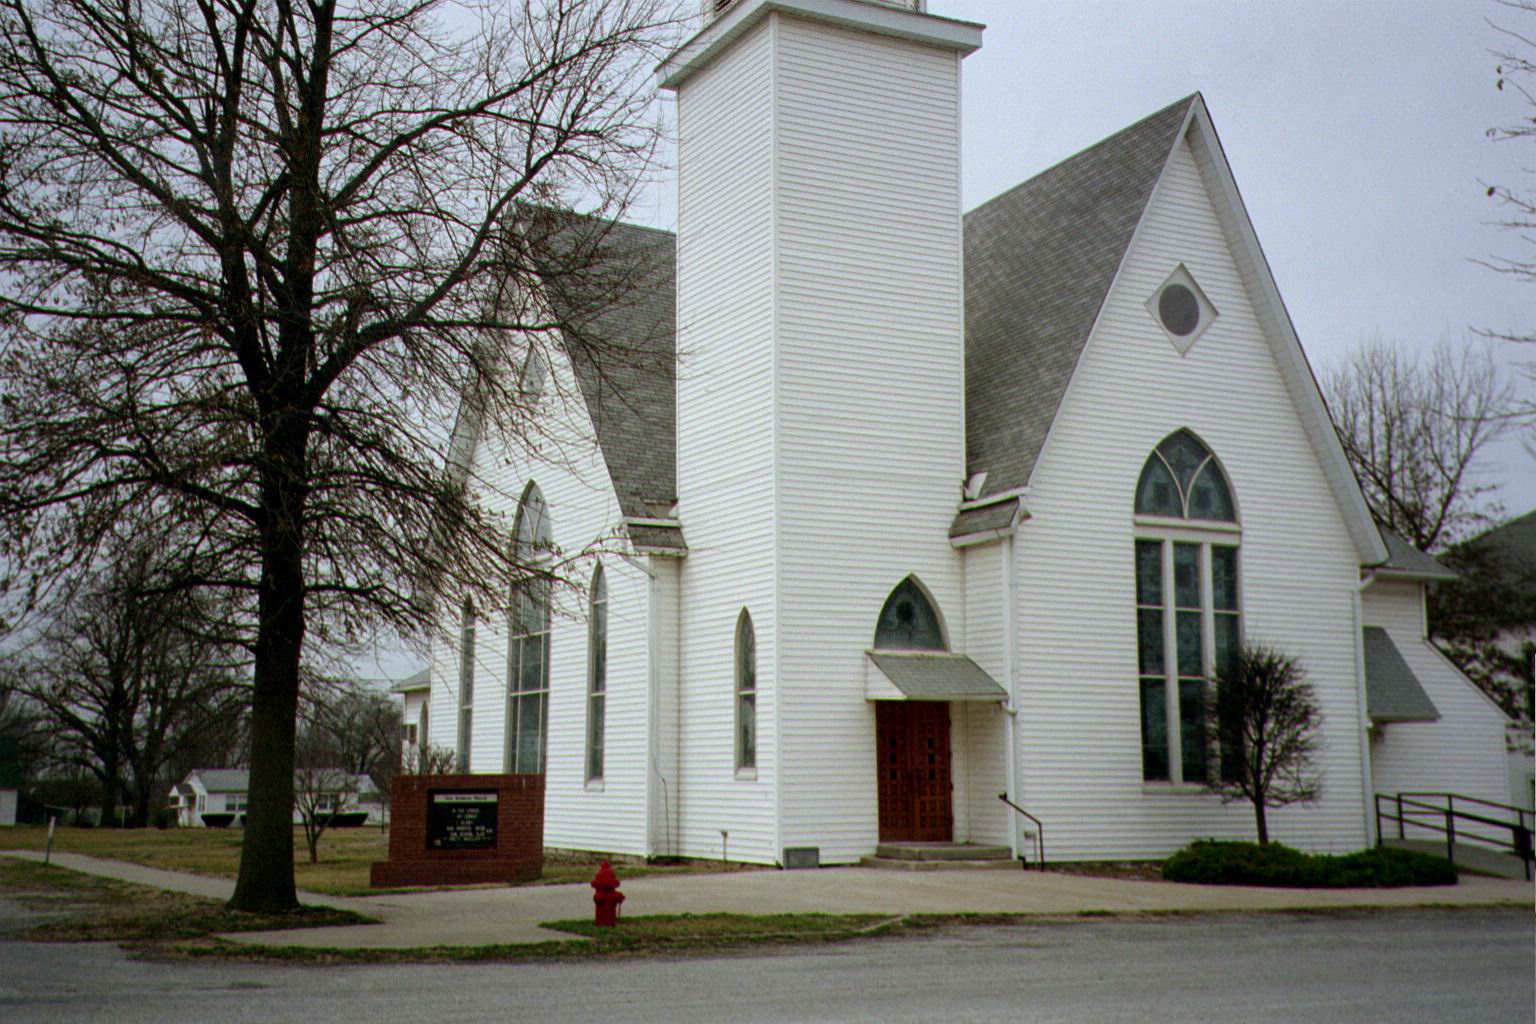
<point x="908" y="621"/>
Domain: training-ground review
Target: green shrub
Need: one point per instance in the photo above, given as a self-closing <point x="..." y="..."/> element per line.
<point x="1209" y="862"/>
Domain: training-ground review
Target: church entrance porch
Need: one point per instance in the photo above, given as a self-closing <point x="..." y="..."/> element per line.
<point x="915" y="794"/>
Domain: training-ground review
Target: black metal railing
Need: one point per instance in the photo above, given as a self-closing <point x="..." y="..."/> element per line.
<point x="1039" y="832"/>
<point x="1470" y="822"/>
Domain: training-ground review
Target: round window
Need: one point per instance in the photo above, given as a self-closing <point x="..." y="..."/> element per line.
<point x="1178" y="309"/>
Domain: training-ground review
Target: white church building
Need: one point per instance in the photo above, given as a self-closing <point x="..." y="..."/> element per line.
<point x="915" y="507"/>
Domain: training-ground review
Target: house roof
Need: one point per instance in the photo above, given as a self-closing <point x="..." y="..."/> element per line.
<point x="1392" y="692"/>
<point x="410" y="684"/>
<point x="1403" y="559"/>
<point x="1512" y="544"/>
<point x="238" y="780"/>
<point x="1039" y="261"/>
<point x="929" y="676"/>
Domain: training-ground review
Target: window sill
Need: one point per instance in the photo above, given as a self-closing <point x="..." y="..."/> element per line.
<point x="1169" y="789"/>
<point x="594" y="785"/>
<point x="746" y="774"/>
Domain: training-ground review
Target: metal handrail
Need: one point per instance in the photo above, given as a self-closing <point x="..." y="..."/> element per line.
<point x="1411" y="811"/>
<point x="1039" y="831"/>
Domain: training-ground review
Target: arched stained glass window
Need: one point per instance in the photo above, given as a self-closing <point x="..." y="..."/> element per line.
<point x="1182" y="480"/>
<point x="908" y="621"/>
<point x="528" y="652"/>
<point x="597" y="673"/>
<point x="746" y="693"/>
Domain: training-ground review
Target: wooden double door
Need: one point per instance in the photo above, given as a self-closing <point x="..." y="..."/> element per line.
<point x="912" y="740"/>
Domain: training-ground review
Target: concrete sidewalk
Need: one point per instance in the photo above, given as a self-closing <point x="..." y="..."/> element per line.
<point x="496" y="916"/>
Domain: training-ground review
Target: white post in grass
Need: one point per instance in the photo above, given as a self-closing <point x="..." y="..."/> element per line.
<point x="48" y="851"/>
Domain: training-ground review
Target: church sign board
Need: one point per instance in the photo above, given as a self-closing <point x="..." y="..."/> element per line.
<point x="458" y="820"/>
<point x="463" y="829"/>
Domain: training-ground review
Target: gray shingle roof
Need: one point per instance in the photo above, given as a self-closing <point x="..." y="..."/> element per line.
<point x="1392" y="692"/>
<point x="938" y="676"/>
<point x="1404" y="558"/>
<point x="619" y="330"/>
<point x="986" y="519"/>
<point x="1039" y="260"/>
<point x="238" y="780"/>
<point x="417" y="681"/>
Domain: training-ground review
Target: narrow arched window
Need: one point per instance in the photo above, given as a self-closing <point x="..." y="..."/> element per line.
<point x="1182" y="480"/>
<point x="746" y="693"/>
<point x="466" y="685"/>
<point x="1188" y="612"/>
<point x="597" y="673"/>
<point x="908" y="622"/>
<point x="528" y="648"/>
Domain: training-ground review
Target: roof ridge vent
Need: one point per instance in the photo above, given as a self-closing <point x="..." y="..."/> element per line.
<point x="715" y="8"/>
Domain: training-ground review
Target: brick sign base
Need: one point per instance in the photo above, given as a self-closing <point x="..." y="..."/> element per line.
<point x="518" y="853"/>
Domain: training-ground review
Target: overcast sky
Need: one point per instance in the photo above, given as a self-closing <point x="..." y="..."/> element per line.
<point x="1355" y="128"/>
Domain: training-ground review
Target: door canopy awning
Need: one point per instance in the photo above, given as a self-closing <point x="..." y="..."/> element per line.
<point x="1392" y="692"/>
<point x="926" y="675"/>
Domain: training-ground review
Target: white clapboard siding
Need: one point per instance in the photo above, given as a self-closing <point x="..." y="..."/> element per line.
<point x="568" y="468"/>
<point x="1461" y="753"/>
<point x="725" y="444"/>
<point x="1079" y="723"/>
<point x="985" y="725"/>
<point x="869" y="407"/>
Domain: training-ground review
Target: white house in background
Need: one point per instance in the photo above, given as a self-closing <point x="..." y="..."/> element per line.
<point x="218" y="796"/>
<point x="414" y="692"/>
<point x="9" y="800"/>
<point x="972" y="502"/>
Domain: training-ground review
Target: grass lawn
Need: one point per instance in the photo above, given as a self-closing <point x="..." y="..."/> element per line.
<point x="345" y="854"/>
<point x="673" y="934"/>
<point x="75" y="907"/>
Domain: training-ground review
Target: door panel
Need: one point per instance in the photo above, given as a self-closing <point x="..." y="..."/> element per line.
<point x="912" y="744"/>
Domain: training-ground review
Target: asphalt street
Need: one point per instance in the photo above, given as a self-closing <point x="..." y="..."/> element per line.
<point x="1397" y="966"/>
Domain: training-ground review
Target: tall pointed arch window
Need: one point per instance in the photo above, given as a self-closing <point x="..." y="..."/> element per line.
<point x="1188" y="609"/>
<point x="528" y="647"/>
<point x="597" y="673"/>
<point x="466" y="685"/>
<point x="1182" y="480"/>
<point x="908" y="622"/>
<point x="746" y="693"/>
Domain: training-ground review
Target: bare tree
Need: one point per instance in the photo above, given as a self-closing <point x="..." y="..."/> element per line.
<point x="1413" y="430"/>
<point x="426" y="759"/>
<point x="321" y="791"/>
<point x="1516" y="76"/>
<point x="127" y="681"/>
<point x="1267" y="718"/>
<point x="252" y="254"/>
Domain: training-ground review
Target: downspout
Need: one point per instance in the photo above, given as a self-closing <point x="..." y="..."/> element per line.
<point x="1367" y="786"/>
<point x="1010" y="682"/>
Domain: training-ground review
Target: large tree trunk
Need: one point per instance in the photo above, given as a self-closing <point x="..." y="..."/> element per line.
<point x="265" y="883"/>
<point x="111" y="785"/>
<point x="1258" y="814"/>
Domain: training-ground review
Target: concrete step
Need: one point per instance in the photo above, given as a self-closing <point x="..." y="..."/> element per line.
<point x="942" y="852"/>
<point x="900" y="864"/>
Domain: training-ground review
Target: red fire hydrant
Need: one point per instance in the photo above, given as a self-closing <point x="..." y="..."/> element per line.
<point x="606" y="896"/>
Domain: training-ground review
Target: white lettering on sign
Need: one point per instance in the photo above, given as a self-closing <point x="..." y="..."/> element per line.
<point x="464" y="798"/>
